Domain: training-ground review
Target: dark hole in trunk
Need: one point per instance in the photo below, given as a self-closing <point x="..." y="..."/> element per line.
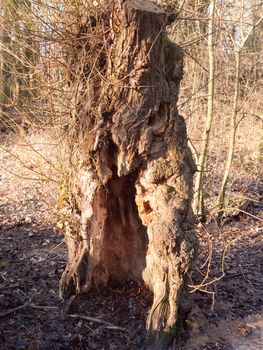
<point x="126" y="240"/>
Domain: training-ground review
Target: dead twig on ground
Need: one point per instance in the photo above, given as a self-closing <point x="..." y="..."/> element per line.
<point x="43" y="307"/>
<point x="11" y="311"/>
<point x="27" y="304"/>
<point x="242" y="273"/>
<point x="97" y="320"/>
<point x="5" y="285"/>
<point x="57" y="246"/>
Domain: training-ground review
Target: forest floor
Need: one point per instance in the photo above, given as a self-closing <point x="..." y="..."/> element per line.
<point x="228" y="313"/>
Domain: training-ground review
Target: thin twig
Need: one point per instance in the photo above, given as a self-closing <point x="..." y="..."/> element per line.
<point x="11" y="311"/>
<point x="245" y="212"/>
<point x="57" y="246"/>
<point x="43" y="307"/>
<point x="97" y="320"/>
<point x="242" y="273"/>
<point x="27" y="304"/>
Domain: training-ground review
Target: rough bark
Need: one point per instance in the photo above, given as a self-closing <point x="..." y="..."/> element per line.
<point x="131" y="181"/>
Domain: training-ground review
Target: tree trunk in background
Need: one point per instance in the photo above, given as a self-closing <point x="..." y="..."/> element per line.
<point x="4" y="84"/>
<point x="232" y="139"/>
<point x="2" y="80"/>
<point x="131" y="181"/>
<point x="238" y="49"/>
<point x="198" y="193"/>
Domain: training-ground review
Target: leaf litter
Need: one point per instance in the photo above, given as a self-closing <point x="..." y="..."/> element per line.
<point x="228" y="313"/>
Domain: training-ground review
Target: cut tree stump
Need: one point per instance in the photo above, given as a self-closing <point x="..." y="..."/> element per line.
<point x="130" y="185"/>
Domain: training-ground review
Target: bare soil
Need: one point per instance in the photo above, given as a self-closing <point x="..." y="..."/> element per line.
<point x="228" y="313"/>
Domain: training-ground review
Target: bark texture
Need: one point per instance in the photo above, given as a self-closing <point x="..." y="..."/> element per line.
<point x="131" y="181"/>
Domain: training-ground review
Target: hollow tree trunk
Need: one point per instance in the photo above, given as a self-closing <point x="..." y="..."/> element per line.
<point x="131" y="182"/>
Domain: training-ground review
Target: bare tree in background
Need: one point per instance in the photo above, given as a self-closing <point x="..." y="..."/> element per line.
<point x="201" y="160"/>
<point x="239" y="39"/>
<point x="191" y="32"/>
<point x="5" y="44"/>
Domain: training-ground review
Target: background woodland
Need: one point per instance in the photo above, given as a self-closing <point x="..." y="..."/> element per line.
<point x="220" y="98"/>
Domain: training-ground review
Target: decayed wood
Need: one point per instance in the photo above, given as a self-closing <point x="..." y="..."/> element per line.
<point x="131" y="184"/>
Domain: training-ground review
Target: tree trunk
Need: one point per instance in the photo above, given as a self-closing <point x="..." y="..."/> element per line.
<point x="198" y="192"/>
<point x="131" y="181"/>
<point x="238" y="49"/>
<point x="4" y="83"/>
<point x="232" y="139"/>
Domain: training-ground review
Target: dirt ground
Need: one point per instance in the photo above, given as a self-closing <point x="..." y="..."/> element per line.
<point x="228" y="313"/>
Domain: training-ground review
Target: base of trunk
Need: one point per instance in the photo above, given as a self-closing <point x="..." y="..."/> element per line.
<point x="135" y="227"/>
<point x="115" y="248"/>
